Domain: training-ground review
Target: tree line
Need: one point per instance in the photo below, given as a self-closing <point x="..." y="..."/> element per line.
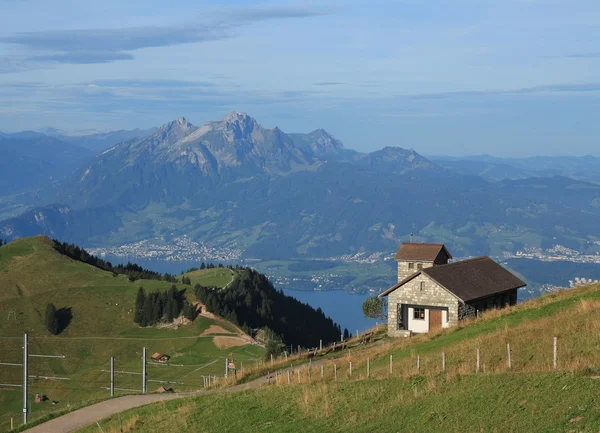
<point x="251" y="301"/>
<point x="165" y="306"/>
<point x="133" y="271"/>
<point x="206" y="266"/>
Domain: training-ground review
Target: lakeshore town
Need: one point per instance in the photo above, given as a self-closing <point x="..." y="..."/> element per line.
<point x="183" y="249"/>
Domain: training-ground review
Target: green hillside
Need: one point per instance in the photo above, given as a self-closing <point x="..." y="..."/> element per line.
<point x="101" y="304"/>
<point x="530" y="396"/>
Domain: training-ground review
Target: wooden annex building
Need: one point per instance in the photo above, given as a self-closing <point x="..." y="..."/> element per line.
<point x="433" y="293"/>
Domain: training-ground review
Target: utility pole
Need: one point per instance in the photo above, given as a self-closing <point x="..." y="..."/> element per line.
<point x="144" y="370"/>
<point x="112" y="376"/>
<point x="25" y="377"/>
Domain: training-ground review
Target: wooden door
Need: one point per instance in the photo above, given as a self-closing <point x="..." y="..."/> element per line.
<point x="435" y="319"/>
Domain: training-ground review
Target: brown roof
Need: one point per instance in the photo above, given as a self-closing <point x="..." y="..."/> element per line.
<point x="468" y="279"/>
<point x="420" y="252"/>
<point x="158" y="356"/>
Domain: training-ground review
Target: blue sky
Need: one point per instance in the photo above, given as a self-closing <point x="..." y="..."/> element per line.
<point x="459" y="77"/>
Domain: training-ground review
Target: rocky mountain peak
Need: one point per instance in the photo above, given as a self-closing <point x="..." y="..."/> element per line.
<point x="236" y="116"/>
<point x="175" y="130"/>
<point x="240" y="124"/>
<point x="180" y="123"/>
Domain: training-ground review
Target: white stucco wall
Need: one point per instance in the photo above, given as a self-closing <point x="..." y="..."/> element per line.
<point x="416" y="325"/>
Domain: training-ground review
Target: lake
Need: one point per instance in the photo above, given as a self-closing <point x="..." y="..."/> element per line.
<point x="343" y="307"/>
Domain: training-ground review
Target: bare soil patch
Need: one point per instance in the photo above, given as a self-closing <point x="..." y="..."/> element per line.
<point x="215" y="329"/>
<point x="226" y="342"/>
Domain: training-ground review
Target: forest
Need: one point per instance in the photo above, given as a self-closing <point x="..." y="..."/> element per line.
<point x="252" y="302"/>
<point x="165" y="306"/>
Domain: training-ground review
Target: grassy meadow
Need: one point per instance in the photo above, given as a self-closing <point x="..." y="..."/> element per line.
<point x="33" y="274"/>
<point x="418" y="394"/>
<point x="536" y="402"/>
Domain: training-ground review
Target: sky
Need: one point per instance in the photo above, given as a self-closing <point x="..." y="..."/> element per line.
<point x="444" y="77"/>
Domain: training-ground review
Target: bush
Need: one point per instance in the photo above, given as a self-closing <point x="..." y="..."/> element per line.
<point x="51" y="319"/>
<point x="375" y="308"/>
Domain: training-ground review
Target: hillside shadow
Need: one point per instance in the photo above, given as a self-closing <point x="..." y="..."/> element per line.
<point x="64" y="316"/>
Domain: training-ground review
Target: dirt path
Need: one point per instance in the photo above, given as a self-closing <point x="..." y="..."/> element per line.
<point x="88" y="415"/>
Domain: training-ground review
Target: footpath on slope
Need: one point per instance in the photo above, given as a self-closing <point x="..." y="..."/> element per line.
<point x="88" y="415"/>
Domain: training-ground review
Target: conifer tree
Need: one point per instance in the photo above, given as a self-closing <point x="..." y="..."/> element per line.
<point x="169" y="307"/>
<point x="189" y="312"/>
<point x="147" y="313"/>
<point x="139" y="305"/>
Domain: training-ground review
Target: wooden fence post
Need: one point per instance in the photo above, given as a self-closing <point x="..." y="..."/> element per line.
<point x="508" y="352"/>
<point x="322" y="371"/>
<point x="368" y="367"/>
<point x="335" y="371"/>
<point x="320" y="344"/>
<point x="288" y="377"/>
<point x="350" y="368"/>
<point x="418" y="363"/>
<point x="443" y="361"/>
<point x="477" y="367"/>
<point x="555" y="357"/>
<point x="391" y="363"/>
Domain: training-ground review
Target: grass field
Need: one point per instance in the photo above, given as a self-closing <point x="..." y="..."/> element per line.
<point x="32" y="274"/>
<point x="485" y="403"/>
<point x="218" y="277"/>
<point x="529" y="396"/>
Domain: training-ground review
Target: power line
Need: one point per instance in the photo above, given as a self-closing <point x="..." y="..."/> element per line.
<point x="27" y="376"/>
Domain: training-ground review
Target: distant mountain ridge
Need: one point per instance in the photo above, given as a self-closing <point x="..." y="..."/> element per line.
<point x="493" y="168"/>
<point x="179" y="158"/>
<point x="236" y="184"/>
<point x="35" y="160"/>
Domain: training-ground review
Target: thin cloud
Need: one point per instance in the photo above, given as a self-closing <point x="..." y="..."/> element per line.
<point x="328" y="83"/>
<point x="9" y="65"/>
<point x="86" y="46"/>
<point x="551" y="88"/>
<point x="152" y="83"/>
<point x="584" y="55"/>
<point x="82" y="57"/>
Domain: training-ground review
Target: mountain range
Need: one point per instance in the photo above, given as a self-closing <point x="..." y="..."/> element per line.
<point x="585" y="168"/>
<point x="272" y="195"/>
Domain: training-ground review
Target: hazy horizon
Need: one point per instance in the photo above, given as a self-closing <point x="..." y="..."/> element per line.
<point x="512" y="79"/>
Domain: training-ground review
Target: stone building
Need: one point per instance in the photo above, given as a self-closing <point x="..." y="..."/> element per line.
<point x="432" y="293"/>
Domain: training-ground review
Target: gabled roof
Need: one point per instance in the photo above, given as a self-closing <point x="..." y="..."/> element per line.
<point x="420" y="252"/>
<point x="468" y="279"/>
